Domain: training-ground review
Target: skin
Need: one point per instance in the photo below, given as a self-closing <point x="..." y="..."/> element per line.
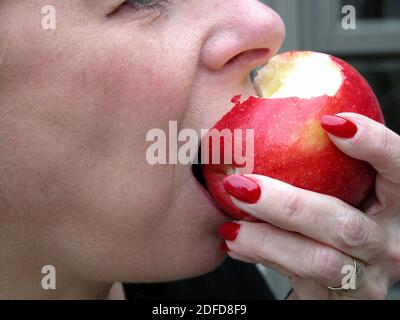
<point x="77" y="193"/>
<point x="76" y="103"/>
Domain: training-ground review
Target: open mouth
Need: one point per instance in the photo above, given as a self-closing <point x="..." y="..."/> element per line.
<point x="198" y="172"/>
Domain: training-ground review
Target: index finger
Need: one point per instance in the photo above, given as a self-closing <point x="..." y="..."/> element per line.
<point x="369" y="141"/>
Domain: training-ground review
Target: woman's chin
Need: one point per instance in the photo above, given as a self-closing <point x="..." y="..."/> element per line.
<point x="210" y="260"/>
<point x="200" y="260"/>
<point x="199" y="265"/>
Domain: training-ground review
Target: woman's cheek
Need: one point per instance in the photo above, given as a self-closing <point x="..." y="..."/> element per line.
<point x="143" y="86"/>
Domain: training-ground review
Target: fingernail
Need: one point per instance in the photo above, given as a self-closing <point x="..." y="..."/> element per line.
<point x="223" y="247"/>
<point x="339" y="126"/>
<point x="242" y="188"/>
<point x="229" y="231"/>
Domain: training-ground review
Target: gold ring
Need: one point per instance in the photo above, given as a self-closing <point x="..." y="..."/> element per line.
<point x="350" y="284"/>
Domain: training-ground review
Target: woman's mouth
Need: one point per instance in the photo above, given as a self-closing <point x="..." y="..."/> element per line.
<point x="198" y="172"/>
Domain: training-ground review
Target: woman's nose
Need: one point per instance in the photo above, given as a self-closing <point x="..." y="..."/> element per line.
<point x="248" y="34"/>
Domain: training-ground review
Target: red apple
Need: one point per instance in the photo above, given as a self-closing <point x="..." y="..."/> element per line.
<point x="296" y="90"/>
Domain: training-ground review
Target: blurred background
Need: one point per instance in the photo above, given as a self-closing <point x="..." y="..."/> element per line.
<point x="373" y="47"/>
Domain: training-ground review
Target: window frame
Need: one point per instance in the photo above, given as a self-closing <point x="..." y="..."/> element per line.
<point x="316" y="25"/>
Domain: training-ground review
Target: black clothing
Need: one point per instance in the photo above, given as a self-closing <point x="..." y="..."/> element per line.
<point x="233" y="280"/>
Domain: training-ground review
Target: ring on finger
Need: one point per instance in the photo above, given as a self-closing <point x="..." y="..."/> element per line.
<point x="351" y="284"/>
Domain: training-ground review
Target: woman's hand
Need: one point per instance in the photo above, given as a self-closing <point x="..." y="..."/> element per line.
<point x="311" y="237"/>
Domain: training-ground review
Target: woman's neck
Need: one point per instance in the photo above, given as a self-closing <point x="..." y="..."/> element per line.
<point x="16" y="286"/>
<point x="23" y="274"/>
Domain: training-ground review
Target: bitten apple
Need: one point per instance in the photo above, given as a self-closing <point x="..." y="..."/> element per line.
<point x="296" y="89"/>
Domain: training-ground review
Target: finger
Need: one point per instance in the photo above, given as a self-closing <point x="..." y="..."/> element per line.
<point x="299" y="255"/>
<point x="265" y="263"/>
<point x="317" y="216"/>
<point x="310" y="261"/>
<point x="372" y="142"/>
<point x="387" y="198"/>
<point x="370" y="288"/>
<point x="309" y="289"/>
<point x="247" y="259"/>
<point x="242" y="258"/>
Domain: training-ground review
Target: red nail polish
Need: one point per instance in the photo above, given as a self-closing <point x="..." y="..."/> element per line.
<point x="242" y="188"/>
<point x="224" y="247"/>
<point x="229" y="231"/>
<point x="339" y="126"/>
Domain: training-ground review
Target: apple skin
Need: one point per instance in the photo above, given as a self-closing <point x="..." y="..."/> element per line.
<point x="290" y="144"/>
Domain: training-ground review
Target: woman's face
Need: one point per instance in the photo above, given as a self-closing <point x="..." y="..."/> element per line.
<point x="76" y="104"/>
